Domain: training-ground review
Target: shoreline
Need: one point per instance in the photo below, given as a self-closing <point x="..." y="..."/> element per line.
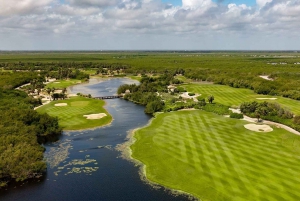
<point x="126" y="154"/>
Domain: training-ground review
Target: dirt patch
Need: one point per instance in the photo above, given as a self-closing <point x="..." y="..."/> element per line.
<point x="266" y="98"/>
<point x="61" y="104"/>
<point x="95" y="116"/>
<point x="258" y="128"/>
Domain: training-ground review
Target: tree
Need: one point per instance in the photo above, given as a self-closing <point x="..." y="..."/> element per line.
<point x="257" y="115"/>
<point x="48" y="90"/>
<point x="210" y="99"/>
<point x="64" y="90"/>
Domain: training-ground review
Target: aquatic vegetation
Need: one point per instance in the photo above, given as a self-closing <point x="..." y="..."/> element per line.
<point x="59" y="154"/>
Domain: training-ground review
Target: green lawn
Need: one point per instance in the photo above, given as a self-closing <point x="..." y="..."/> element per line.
<point x="90" y="71"/>
<point x="216" y="158"/>
<point x="71" y="116"/>
<point x="60" y="84"/>
<point x="235" y="96"/>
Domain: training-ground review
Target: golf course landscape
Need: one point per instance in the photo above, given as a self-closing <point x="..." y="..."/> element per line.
<point x="216" y="158"/>
<point x="233" y="97"/>
<point x="223" y="125"/>
<point x="70" y="113"/>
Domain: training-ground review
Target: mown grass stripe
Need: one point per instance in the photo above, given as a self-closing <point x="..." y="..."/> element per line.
<point x="223" y="160"/>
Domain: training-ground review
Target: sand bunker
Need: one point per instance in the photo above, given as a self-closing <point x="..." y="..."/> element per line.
<point x="266" y="98"/>
<point x="58" y="91"/>
<point x="61" y="104"/>
<point x="266" y="77"/>
<point x="258" y="128"/>
<point x="95" y="116"/>
<point x="187" y="96"/>
<point x="56" y="82"/>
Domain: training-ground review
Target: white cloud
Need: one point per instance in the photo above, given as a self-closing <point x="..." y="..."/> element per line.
<point x="196" y="3"/>
<point x="195" y="20"/>
<point x="21" y="7"/>
<point x="262" y="3"/>
<point x="92" y="3"/>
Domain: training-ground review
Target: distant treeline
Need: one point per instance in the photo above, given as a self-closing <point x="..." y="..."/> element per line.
<point x="55" y="66"/>
<point x="239" y="70"/>
<point x="22" y="130"/>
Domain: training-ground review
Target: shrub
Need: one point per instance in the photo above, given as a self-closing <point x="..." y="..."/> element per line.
<point x="236" y="115"/>
<point x="216" y="108"/>
<point x="296" y="120"/>
<point x="191" y="94"/>
<point x="181" y="89"/>
<point x="210" y="99"/>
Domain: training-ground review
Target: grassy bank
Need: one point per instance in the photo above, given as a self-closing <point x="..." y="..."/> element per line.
<point x="216" y="158"/>
<point x="71" y="116"/>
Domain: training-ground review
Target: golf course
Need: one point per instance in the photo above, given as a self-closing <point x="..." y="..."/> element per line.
<point x="233" y="97"/>
<point x="216" y="158"/>
<point x="70" y="113"/>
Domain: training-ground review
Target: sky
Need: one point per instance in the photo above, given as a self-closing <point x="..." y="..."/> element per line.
<point x="149" y="24"/>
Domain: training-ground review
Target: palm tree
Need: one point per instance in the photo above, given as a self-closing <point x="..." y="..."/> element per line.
<point x="64" y="90"/>
<point x="48" y="90"/>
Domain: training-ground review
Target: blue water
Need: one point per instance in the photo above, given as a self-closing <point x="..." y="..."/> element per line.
<point x="84" y="165"/>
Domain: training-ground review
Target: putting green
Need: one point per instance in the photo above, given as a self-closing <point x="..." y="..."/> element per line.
<point x="235" y="96"/>
<point x="216" y="158"/>
<point x="71" y="116"/>
<point x="60" y="84"/>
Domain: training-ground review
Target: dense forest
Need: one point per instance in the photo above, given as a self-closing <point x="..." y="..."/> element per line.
<point x="22" y="130"/>
<point x="235" y="69"/>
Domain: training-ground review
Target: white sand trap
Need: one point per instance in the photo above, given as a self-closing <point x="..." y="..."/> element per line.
<point x="95" y="116"/>
<point x="61" y="104"/>
<point x="56" y="82"/>
<point x="58" y="91"/>
<point x="72" y="95"/>
<point x="258" y="128"/>
<point x="266" y="77"/>
<point x="186" y="95"/>
<point x="235" y="110"/>
<point x="266" y="98"/>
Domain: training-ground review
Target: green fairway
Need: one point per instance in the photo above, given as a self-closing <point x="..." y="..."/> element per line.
<point x="71" y="116"/>
<point x="59" y="84"/>
<point x="216" y="158"/>
<point x="235" y="96"/>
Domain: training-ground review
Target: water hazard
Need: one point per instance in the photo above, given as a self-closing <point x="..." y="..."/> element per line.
<point x="84" y="165"/>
